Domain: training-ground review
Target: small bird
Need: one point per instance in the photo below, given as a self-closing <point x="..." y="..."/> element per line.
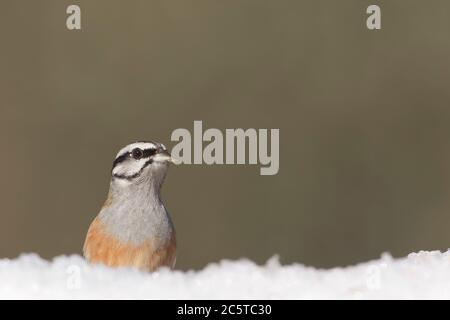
<point x="133" y="228"/>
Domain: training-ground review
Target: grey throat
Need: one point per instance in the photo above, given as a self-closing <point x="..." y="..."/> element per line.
<point x="135" y="212"/>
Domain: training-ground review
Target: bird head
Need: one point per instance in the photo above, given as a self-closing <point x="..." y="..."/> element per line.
<point x="141" y="161"/>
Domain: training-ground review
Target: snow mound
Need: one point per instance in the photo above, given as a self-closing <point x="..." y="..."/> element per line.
<point x="423" y="275"/>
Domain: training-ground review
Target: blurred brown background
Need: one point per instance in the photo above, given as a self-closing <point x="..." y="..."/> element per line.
<point x="364" y="120"/>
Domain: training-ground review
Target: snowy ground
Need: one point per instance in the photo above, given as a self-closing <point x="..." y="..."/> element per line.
<point x="423" y="275"/>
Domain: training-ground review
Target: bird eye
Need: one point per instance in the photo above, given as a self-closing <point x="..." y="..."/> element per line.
<point x="137" y="153"/>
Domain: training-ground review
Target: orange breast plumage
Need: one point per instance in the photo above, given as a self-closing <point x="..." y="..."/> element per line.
<point x="100" y="247"/>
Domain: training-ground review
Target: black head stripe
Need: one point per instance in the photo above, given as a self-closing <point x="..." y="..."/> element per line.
<point x="120" y="159"/>
<point x="149" y="152"/>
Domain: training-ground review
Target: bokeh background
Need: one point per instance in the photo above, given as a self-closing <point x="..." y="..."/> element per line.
<point x="364" y="120"/>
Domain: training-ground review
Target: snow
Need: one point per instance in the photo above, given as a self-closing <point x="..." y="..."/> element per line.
<point x="423" y="275"/>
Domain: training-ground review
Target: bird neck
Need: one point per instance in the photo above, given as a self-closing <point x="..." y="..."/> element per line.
<point x="134" y="212"/>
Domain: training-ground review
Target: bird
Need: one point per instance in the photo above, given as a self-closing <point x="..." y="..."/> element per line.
<point x="133" y="228"/>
